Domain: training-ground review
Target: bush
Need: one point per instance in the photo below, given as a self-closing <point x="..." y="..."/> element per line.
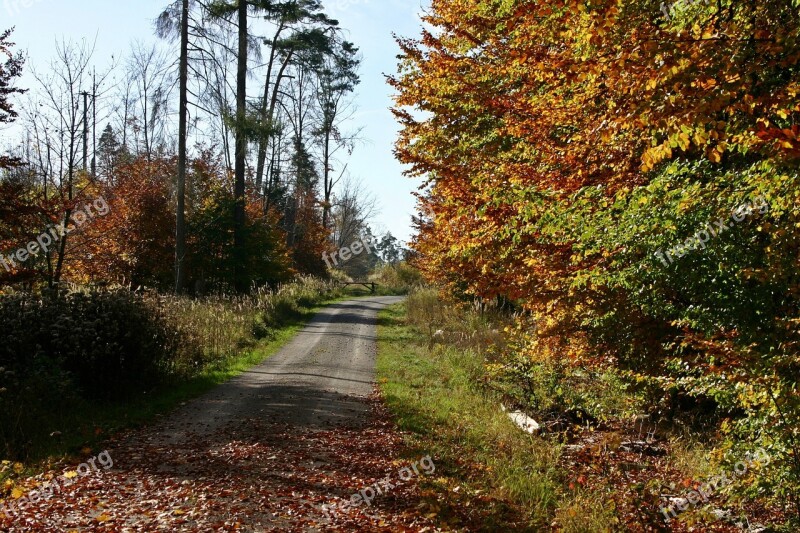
<point x="109" y="343"/>
<point x="32" y="402"/>
<point x="279" y="306"/>
<point x="397" y="279"/>
<point x="59" y="349"/>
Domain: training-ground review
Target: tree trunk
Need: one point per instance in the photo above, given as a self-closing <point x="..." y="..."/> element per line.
<point x="241" y="153"/>
<point x="180" y="222"/>
<point x="269" y="114"/>
<point x="262" y="143"/>
<point x="326" y="183"/>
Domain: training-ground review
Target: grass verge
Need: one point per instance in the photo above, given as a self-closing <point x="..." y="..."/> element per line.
<point x="601" y="462"/>
<point x="498" y="477"/>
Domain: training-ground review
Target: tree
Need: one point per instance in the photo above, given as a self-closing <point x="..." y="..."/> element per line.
<point x="239" y="11"/>
<point x="9" y="70"/>
<point x="288" y="17"/>
<point x="183" y="117"/>
<point x="573" y="155"/>
<point x="164" y="29"/>
<point x="126" y="245"/>
<point x="390" y="249"/>
<point x="239" y="214"/>
<point x="291" y="138"/>
<point x="110" y="152"/>
<point x="148" y="74"/>
<point x="337" y="78"/>
<point x="58" y="124"/>
<point x="353" y="209"/>
<point x="212" y="263"/>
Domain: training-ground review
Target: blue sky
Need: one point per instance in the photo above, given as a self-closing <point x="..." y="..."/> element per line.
<point x="370" y="23"/>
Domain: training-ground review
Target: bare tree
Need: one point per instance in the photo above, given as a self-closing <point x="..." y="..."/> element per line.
<point x="183" y="118"/>
<point x="149" y="76"/>
<point x="164" y="28"/>
<point x="58" y="122"/>
<point x="353" y="209"/>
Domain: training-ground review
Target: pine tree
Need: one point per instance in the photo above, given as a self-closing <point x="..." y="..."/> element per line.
<point x="11" y="69"/>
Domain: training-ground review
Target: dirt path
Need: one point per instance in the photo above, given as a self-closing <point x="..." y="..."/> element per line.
<point x="269" y="451"/>
<point x="317" y="381"/>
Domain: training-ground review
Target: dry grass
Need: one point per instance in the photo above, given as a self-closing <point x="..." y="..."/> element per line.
<point x="219" y="327"/>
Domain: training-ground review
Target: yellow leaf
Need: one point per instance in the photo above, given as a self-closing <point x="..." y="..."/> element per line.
<point x="103" y="518"/>
<point x="700" y="138"/>
<point x="18" y="468"/>
<point x="71" y="474"/>
<point x="17" y="494"/>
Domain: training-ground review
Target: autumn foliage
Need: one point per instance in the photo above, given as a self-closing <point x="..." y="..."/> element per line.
<point x="564" y="145"/>
<point x="133" y="243"/>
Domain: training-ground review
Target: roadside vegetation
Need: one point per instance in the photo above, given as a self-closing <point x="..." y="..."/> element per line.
<point x="81" y="363"/>
<point x="623" y="178"/>
<point x="127" y="265"/>
<point x="606" y="456"/>
<point x="396" y="279"/>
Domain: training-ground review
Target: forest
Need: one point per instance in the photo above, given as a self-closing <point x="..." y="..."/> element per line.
<point x="595" y="326"/>
<point x="623" y="176"/>
<point x="175" y="144"/>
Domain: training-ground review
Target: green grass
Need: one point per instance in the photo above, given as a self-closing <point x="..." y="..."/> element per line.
<point x="434" y="393"/>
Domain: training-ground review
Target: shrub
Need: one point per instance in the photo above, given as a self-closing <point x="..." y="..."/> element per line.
<point x="397" y="279"/>
<point x="277" y="307"/>
<point x="58" y="349"/>
<point x="109" y="342"/>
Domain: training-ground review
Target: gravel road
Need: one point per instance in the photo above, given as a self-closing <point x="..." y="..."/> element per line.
<point x="317" y="381"/>
<point x="282" y="447"/>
